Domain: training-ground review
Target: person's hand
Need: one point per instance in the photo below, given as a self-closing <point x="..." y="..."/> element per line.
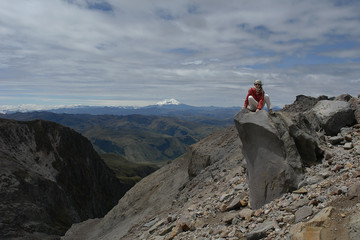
<point x="257" y="110"/>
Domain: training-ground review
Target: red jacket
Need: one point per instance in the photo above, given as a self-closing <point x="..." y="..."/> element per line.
<point x="259" y="97"/>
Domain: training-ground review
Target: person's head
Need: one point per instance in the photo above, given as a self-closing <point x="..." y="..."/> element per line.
<point x="258" y="84"/>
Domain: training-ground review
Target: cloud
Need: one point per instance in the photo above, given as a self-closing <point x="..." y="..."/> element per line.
<point x="203" y="52"/>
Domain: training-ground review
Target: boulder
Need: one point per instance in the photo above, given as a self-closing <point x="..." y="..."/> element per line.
<point x="306" y="139"/>
<point x="303" y="103"/>
<point x="314" y="228"/>
<point x="273" y="162"/>
<point x="355" y="105"/>
<point x="331" y="116"/>
<point x="354" y="226"/>
<point x="261" y="231"/>
<point x="344" y="97"/>
<point x="302" y="213"/>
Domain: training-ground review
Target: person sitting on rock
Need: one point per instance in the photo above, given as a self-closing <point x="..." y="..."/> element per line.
<point x="256" y="97"/>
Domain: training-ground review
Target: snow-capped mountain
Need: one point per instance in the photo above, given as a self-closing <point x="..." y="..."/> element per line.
<point x="168" y="102"/>
<point x="32" y="107"/>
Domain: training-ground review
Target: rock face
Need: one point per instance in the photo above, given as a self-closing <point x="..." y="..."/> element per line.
<point x="355" y="105"/>
<point x="331" y="116"/>
<point x="273" y="163"/>
<point x="303" y="103"/>
<point x="50" y="177"/>
<point x="202" y="153"/>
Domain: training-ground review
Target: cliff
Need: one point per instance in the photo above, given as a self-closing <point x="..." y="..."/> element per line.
<point x="50" y="178"/>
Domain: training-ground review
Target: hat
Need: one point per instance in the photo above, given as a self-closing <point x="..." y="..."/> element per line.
<point x="258" y="82"/>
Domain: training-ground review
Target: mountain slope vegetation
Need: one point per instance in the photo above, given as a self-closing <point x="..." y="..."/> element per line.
<point x="138" y="138"/>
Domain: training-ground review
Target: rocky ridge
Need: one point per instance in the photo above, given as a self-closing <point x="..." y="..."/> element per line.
<point x="210" y="197"/>
<point x="217" y="206"/>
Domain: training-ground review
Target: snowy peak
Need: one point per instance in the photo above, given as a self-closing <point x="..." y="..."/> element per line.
<point x="168" y="102"/>
<point x="32" y="107"/>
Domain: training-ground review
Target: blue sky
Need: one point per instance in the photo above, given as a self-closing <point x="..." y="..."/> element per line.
<point x="200" y="52"/>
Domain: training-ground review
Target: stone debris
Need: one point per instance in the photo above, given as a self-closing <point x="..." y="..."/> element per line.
<point x="348" y="146"/>
<point x="224" y="213"/>
<point x="336" y="140"/>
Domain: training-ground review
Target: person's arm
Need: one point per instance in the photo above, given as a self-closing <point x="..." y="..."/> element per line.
<point x="246" y="99"/>
<point x="261" y="101"/>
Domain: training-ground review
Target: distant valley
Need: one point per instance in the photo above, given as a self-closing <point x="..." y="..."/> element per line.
<point x="135" y="145"/>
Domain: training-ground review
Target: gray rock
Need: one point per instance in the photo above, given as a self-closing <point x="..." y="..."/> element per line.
<point x="207" y="151"/>
<point x="303" y="213"/>
<point x="246" y="213"/>
<point x="321" y="198"/>
<point x="262" y="230"/>
<point x="345" y="131"/>
<point x="235" y="204"/>
<point x="354" y="190"/>
<point x="312" y="228"/>
<point x="302" y="103"/>
<point x="311" y="180"/>
<point x="151" y="223"/>
<point x="324" y="173"/>
<point x="273" y="162"/>
<point x="336" y="140"/>
<point x="344" y="189"/>
<point x="354" y="226"/>
<point x="301" y="203"/>
<point x="306" y="140"/>
<point x="331" y="116"/>
<point x="344" y="97"/>
<point x="229" y="217"/>
<point x="355" y="105"/>
<point x="348" y="146"/>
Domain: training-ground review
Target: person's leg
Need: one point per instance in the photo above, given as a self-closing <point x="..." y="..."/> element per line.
<point x="267" y="101"/>
<point x="252" y="103"/>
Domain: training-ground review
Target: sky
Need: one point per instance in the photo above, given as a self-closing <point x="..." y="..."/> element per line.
<point x="199" y="52"/>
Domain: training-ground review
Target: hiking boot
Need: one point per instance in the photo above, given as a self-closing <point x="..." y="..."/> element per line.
<point x="271" y="112"/>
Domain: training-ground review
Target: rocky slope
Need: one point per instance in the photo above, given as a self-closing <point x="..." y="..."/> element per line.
<point x="205" y="194"/>
<point x="50" y="177"/>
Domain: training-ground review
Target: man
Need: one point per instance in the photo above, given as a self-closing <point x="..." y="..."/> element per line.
<point x="256" y="97"/>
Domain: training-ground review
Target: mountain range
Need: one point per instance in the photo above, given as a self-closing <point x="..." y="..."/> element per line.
<point x="134" y="144"/>
<point x="167" y="107"/>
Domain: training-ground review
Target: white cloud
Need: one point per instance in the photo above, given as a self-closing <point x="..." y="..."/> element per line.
<point x="203" y="52"/>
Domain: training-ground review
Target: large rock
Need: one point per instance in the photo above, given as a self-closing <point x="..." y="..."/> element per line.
<point x="306" y="139"/>
<point x="354" y="226"/>
<point x="322" y="225"/>
<point x="331" y="116"/>
<point x="303" y="103"/>
<point x="314" y="229"/>
<point x="355" y="105"/>
<point x="273" y="163"/>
